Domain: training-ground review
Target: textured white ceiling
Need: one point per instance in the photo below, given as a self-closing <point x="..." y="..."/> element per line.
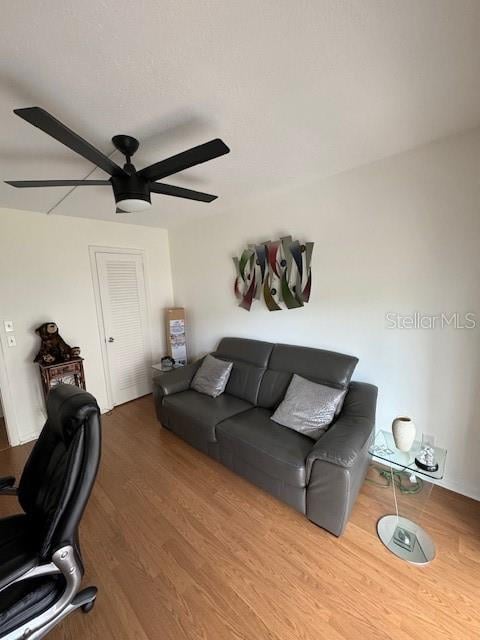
<point x="295" y="88"/>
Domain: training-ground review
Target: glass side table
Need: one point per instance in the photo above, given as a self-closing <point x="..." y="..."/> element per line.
<point x="160" y="369"/>
<point x="400" y="535"/>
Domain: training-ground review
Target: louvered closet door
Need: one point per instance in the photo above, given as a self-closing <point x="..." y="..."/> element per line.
<point x="122" y="295"/>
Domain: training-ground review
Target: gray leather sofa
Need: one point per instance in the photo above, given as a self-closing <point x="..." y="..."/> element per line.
<point x="319" y="478"/>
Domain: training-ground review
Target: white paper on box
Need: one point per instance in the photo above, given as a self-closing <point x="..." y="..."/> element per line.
<point x="178" y="340"/>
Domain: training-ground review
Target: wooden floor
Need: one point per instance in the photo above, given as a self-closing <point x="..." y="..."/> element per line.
<point x="180" y="547"/>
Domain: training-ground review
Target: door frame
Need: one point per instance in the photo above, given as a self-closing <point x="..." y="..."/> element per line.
<point x="93" y="250"/>
<point x="6" y="398"/>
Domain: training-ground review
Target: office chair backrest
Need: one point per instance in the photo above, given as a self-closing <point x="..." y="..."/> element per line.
<point x="59" y="474"/>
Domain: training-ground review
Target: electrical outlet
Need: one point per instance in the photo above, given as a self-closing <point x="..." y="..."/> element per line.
<point x="8" y="324"/>
<point x="11" y="341"/>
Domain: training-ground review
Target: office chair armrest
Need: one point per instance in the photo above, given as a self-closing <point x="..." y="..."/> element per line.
<point x="63" y="561"/>
<point x="6" y="486"/>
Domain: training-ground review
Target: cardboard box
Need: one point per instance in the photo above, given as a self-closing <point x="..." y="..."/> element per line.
<point x="176" y="336"/>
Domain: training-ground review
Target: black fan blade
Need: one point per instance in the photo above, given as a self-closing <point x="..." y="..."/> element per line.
<point x="47" y="123"/>
<point x="180" y="192"/>
<point x="185" y="160"/>
<point x="56" y="183"/>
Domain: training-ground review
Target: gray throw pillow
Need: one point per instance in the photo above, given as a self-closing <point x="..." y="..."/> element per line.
<point x="212" y="376"/>
<point x="308" y="407"/>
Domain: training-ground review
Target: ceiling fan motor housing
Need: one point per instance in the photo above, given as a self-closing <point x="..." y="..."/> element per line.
<point x="130" y="188"/>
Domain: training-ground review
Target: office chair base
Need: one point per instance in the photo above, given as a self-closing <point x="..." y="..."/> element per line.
<point x="85" y="600"/>
<point x="86" y="608"/>
<point x="64" y="562"/>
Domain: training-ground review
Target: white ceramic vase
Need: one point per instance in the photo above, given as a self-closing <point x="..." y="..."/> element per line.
<point x="404" y="431"/>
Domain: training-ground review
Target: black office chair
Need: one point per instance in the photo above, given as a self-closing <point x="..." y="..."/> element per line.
<point x="40" y="562"/>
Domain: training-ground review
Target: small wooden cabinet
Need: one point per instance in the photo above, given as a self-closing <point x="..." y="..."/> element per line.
<point x="70" y="372"/>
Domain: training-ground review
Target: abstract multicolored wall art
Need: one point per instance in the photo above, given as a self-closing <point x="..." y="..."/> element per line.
<point x="280" y="271"/>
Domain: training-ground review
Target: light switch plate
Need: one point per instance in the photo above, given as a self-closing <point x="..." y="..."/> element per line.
<point x="11" y="341"/>
<point x="8" y="324"/>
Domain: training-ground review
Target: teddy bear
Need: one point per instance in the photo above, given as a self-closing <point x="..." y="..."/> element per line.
<point x="53" y="348"/>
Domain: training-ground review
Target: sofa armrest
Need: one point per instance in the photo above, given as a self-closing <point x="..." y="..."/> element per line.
<point x="346" y="438"/>
<point x="339" y="461"/>
<point x="176" y="380"/>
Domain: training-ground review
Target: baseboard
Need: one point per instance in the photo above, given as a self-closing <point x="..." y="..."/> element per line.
<point x="459" y="487"/>
<point x="29" y="438"/>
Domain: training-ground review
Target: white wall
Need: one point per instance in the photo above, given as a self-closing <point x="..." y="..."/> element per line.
<point x="400" y="235"/>
<point x="45" y="275"/>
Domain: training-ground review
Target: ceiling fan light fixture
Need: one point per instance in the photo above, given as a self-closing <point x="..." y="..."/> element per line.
<point x="131" y="188"/>
<point x="131" y="193"/>
<point x="129" y="205"/>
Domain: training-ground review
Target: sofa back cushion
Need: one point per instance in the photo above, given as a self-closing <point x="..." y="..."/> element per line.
<point x="325" y="367"/>
<point x="250" y="359"/>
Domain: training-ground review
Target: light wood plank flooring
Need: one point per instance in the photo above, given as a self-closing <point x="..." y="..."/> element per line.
<point x="181" y="548"/>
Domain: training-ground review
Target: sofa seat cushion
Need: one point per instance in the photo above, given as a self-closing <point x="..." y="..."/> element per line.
<point x="190" y="410"/>
<point x="276" y="450"/>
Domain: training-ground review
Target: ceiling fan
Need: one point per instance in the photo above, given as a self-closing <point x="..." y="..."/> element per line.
<point x="131" y="188"/>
